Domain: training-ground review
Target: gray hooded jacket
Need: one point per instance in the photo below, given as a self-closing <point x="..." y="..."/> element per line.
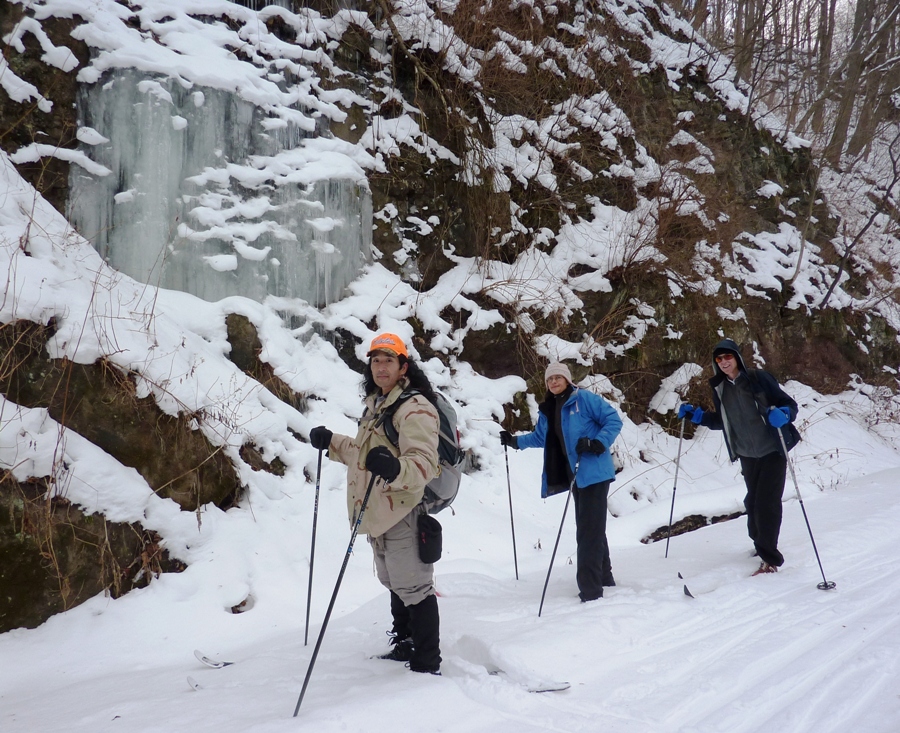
<point x="743" y="437"/>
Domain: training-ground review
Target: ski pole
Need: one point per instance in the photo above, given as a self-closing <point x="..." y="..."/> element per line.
<point x="337" y="587"/>
<point x="675" y="485"/>
<point x="825" y="584"/>
<point x="312" y="551"/>
<point x="512" y="524"/>
<point x="559" y="534"/>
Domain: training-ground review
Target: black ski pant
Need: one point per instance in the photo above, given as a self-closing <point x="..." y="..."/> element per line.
<point x="400" y="615"/>
<point x="764" y="478"/>
<point x="425" y="624"/>
<point x="594" y="568"/>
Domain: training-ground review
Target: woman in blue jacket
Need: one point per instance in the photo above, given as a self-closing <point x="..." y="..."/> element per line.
<point x="576" y="428"/>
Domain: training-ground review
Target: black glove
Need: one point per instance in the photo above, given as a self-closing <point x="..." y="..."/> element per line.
<point x="589" y="445"/>
<point x="507" y="438"/>
<point x="320" y="437"/>
<point x="382" y="462"/>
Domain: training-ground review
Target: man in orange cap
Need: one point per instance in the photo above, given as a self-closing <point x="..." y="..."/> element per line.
<point x="391" y="516"/>
<point x="389" y="342"/>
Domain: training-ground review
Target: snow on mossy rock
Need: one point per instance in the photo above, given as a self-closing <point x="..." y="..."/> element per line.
<point x="99" y="402"/>
<point x="601" y="156"/>
<point x="53" y="556"/>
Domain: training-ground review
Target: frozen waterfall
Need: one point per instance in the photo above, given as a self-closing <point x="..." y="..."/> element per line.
<point x="208" y="195"/>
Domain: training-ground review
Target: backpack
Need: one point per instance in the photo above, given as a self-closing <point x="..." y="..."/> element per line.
<point x="442" y="489"/>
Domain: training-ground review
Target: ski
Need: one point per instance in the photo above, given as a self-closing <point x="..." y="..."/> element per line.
<point x="531" y="686"/>
<point x="686" y="591"/>
<point x="210" y="662"/>
<point x="193" y="683"/>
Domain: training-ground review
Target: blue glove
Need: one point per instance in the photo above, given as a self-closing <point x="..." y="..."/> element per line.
<point x="697" y="416"/>
<point x="685" y="410"/>
<point x="779" y="416"/>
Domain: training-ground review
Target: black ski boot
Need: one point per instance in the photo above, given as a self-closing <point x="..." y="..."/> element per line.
<point x="425" y="622"/>
<point x="401" y="638"/>
<point x="606" y="576"/>
<point x="401" y="650"/>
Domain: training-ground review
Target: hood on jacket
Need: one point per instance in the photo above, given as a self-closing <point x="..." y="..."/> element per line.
<point x="731" y="346"/>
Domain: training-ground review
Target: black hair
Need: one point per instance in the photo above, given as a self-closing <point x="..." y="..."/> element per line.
<point x="417" y="379"/>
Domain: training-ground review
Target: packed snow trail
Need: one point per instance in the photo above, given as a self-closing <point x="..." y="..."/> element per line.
<point x="756" y="654"/>
<point x="746" y="655"/>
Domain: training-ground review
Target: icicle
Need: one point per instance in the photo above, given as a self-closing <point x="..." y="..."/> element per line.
<point x="192" y="206"/>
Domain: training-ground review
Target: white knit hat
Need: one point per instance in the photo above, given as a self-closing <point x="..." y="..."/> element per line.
<point x="558" y="369"/>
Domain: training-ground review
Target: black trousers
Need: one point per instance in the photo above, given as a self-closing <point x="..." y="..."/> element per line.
<point x="764" y="478"/>
<point x="594" y="568"/>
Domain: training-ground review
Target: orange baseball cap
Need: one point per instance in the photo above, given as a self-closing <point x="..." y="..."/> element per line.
<point x="388" y="342"/>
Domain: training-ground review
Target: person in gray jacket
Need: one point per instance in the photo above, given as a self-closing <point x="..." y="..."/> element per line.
<point x="750" y="409"/>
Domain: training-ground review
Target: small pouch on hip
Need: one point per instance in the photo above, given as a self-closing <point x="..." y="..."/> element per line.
<point x="429" y="538"/>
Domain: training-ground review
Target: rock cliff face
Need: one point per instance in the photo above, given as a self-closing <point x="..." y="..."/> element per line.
<point x="27" y="121"/>
<point x="591" y="160"/>
<point x="53" y="555"/>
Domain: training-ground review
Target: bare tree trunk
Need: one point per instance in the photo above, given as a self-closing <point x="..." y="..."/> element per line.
<point x="855" y="65"/>
<point x="871" y="111"/>
<point x="741" y="62"/>
<point x="700" y="14"/>
<point x="825" y="42"/>
<point x="868" y="117"/>
<point x="753" y="17"/>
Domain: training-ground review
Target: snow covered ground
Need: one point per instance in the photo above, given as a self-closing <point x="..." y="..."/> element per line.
<point x="768" y="653"/>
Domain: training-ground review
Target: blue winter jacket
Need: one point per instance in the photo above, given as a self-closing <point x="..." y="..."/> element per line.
<point x="584" y="415"/>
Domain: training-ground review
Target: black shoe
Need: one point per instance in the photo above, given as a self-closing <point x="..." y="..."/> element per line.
<point x="586" y="599"/>
<point x="401" y="652"/>
<point x="609" y="581"/>
<point x="424" y="669"/>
